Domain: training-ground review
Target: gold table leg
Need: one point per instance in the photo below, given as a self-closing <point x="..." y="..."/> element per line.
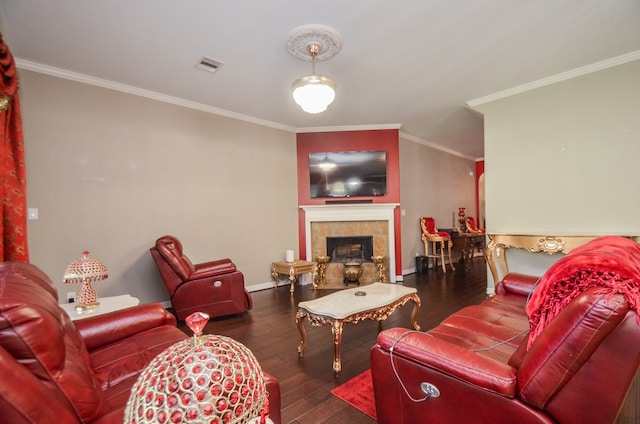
<point x="303" y="333"/>
<point x="292" y="278"/>
<point x="336" y="330"/>
<point x="274" y="274"/>
<point x="416" y="309"/>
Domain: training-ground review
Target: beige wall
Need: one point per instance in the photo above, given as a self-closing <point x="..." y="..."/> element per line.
<point x="110" y="172"/>
<point x="432" y="183"/>
<point x="563" y="159"/>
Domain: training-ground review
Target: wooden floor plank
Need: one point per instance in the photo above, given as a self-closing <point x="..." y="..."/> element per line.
<point x="269" y="330"/>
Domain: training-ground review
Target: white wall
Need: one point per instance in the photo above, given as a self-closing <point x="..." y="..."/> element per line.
<point x="562" y="159"/>
<point x="432" y="183"/>
<point x="111" y="172"/>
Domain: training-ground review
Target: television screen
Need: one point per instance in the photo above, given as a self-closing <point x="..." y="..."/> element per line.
<point x="347" y="174"/>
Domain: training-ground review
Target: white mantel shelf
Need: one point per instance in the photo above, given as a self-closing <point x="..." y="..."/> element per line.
<point x="354" y="212"/>
<point x="351" y="212"/>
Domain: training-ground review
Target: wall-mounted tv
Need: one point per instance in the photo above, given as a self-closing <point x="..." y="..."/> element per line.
<point x="347" y="174"/>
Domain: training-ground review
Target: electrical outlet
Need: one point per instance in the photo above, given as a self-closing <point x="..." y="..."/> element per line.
<point x="71" y="297"/>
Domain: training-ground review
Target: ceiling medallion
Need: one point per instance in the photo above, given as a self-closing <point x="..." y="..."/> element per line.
<point x="301" y="38"/>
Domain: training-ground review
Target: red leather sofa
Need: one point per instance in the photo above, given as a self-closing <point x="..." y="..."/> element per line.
<point x="53" y="370"/>
<point x="215" y="287"/>
<point x="560" y="349"/>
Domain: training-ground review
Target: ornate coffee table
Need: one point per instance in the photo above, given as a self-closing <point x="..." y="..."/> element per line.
<point x="376" y="301"/>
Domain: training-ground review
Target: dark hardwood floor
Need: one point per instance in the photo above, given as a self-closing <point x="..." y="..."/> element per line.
<point x="269" y="330"/>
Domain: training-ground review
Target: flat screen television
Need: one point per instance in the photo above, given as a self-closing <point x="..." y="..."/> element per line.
<point x="348" y="174"/>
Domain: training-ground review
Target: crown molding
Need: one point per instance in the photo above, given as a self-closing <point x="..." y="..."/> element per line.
<point x="111" y="85"/>
<point x="349" y="128"/>
<point x="436" y="146"/>
<point x="128" y="89"/>
<point x="598" y="66"/>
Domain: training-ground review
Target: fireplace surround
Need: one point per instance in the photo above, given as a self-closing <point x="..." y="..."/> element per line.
<point x="352" y="219"/>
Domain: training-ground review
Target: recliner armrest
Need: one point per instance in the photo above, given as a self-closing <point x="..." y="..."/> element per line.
<point x="113" y="326"/>
<point x="450" y="359"/>
<point x="213" y="268"/>
<point x="517" y="283"/>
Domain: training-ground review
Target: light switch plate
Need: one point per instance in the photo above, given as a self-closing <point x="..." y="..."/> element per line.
<point x="32" y="213"/>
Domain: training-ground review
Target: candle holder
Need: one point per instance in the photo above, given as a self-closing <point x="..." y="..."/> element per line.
<point x="322" y="269"/>
<point x="462" y="220"/>
<point x="381" y="268"/>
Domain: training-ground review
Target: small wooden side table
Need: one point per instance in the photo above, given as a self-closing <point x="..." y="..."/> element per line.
<point x="293" y="269"/>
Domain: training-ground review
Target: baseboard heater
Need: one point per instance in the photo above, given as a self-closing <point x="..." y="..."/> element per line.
<point x="347" y="201"/>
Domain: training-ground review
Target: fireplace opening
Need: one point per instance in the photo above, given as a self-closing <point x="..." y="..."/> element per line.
<point x="350" y="249"/>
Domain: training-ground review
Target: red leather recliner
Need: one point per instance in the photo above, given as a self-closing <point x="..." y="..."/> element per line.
<point x="56" y="370"/>
<point x="485" y="364"/>
<point x="216" y="287"/>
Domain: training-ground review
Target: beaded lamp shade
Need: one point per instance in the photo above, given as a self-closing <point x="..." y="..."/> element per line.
<point x="207" y="379"/>
<point x="85" y="270"/>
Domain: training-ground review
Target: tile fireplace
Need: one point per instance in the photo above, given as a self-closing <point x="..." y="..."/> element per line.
<point x="352" y="220"/>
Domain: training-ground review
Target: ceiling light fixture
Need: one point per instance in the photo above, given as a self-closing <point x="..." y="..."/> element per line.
<point x="314" y="93"/>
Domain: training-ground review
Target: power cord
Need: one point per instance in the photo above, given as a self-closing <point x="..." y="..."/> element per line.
<point x="429" y="391"/>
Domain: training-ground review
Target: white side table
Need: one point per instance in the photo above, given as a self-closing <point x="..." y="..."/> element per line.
<point x="107" y="304"/>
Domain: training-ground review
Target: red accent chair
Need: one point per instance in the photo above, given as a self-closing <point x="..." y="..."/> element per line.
<point x="53" y="369"/>
<point x="439" y="240"/>
<point x="472" y="227"/>
<point x="216" y="287"/>
<point x="483" y="364"/>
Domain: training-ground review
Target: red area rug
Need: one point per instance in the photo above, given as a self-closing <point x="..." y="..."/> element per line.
<point x="358" y="392"/>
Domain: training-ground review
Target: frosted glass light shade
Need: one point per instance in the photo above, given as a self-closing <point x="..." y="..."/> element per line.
<point x="314" y="93"/>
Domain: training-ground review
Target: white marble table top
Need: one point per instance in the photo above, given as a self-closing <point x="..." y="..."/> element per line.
<point x="107" y="304"/>
<point x="344" y="303"/>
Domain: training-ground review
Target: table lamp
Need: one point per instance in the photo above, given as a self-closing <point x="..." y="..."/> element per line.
<point x="206" y="379"/>
<point x="85" y="270"/>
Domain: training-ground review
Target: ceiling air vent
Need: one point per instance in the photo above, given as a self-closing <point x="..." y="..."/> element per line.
<point x="209" y="64"/>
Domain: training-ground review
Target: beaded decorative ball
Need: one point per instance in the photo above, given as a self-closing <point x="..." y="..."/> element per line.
<point x="207" y="379"/>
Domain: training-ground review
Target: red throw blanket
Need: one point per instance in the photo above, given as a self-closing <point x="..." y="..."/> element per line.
<point x="611" y="263"/>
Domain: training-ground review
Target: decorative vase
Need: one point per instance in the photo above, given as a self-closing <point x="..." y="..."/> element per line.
<point x="462" y="220"/>
<point x="352" y="272"/>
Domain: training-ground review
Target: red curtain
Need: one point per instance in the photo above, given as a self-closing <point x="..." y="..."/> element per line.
<point x="13" y="210"/>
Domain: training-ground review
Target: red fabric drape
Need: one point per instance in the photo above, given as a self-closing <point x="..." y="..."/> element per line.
<point x="610" y="263"/>
<point x="13" y="210"/>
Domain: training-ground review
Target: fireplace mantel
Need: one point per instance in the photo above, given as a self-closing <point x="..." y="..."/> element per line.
<point x="354" y="212"/>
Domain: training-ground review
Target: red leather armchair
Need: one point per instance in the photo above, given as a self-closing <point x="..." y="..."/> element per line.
<point x="216" y="287"/>
<point x="484" y="364"/>
<point x="56" y="370"/>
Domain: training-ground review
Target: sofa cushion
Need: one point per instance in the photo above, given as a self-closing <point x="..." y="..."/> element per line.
<point x="459" y="353"/>
<point x="503" y="325"/>
<point x="122" y="360"/>
<point x="39" y="335"/>
<point x="567" y="343"/>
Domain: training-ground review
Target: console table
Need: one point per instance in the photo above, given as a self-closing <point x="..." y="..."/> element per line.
<point x="549" y="244"/>
<point x="467" y="243"/>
